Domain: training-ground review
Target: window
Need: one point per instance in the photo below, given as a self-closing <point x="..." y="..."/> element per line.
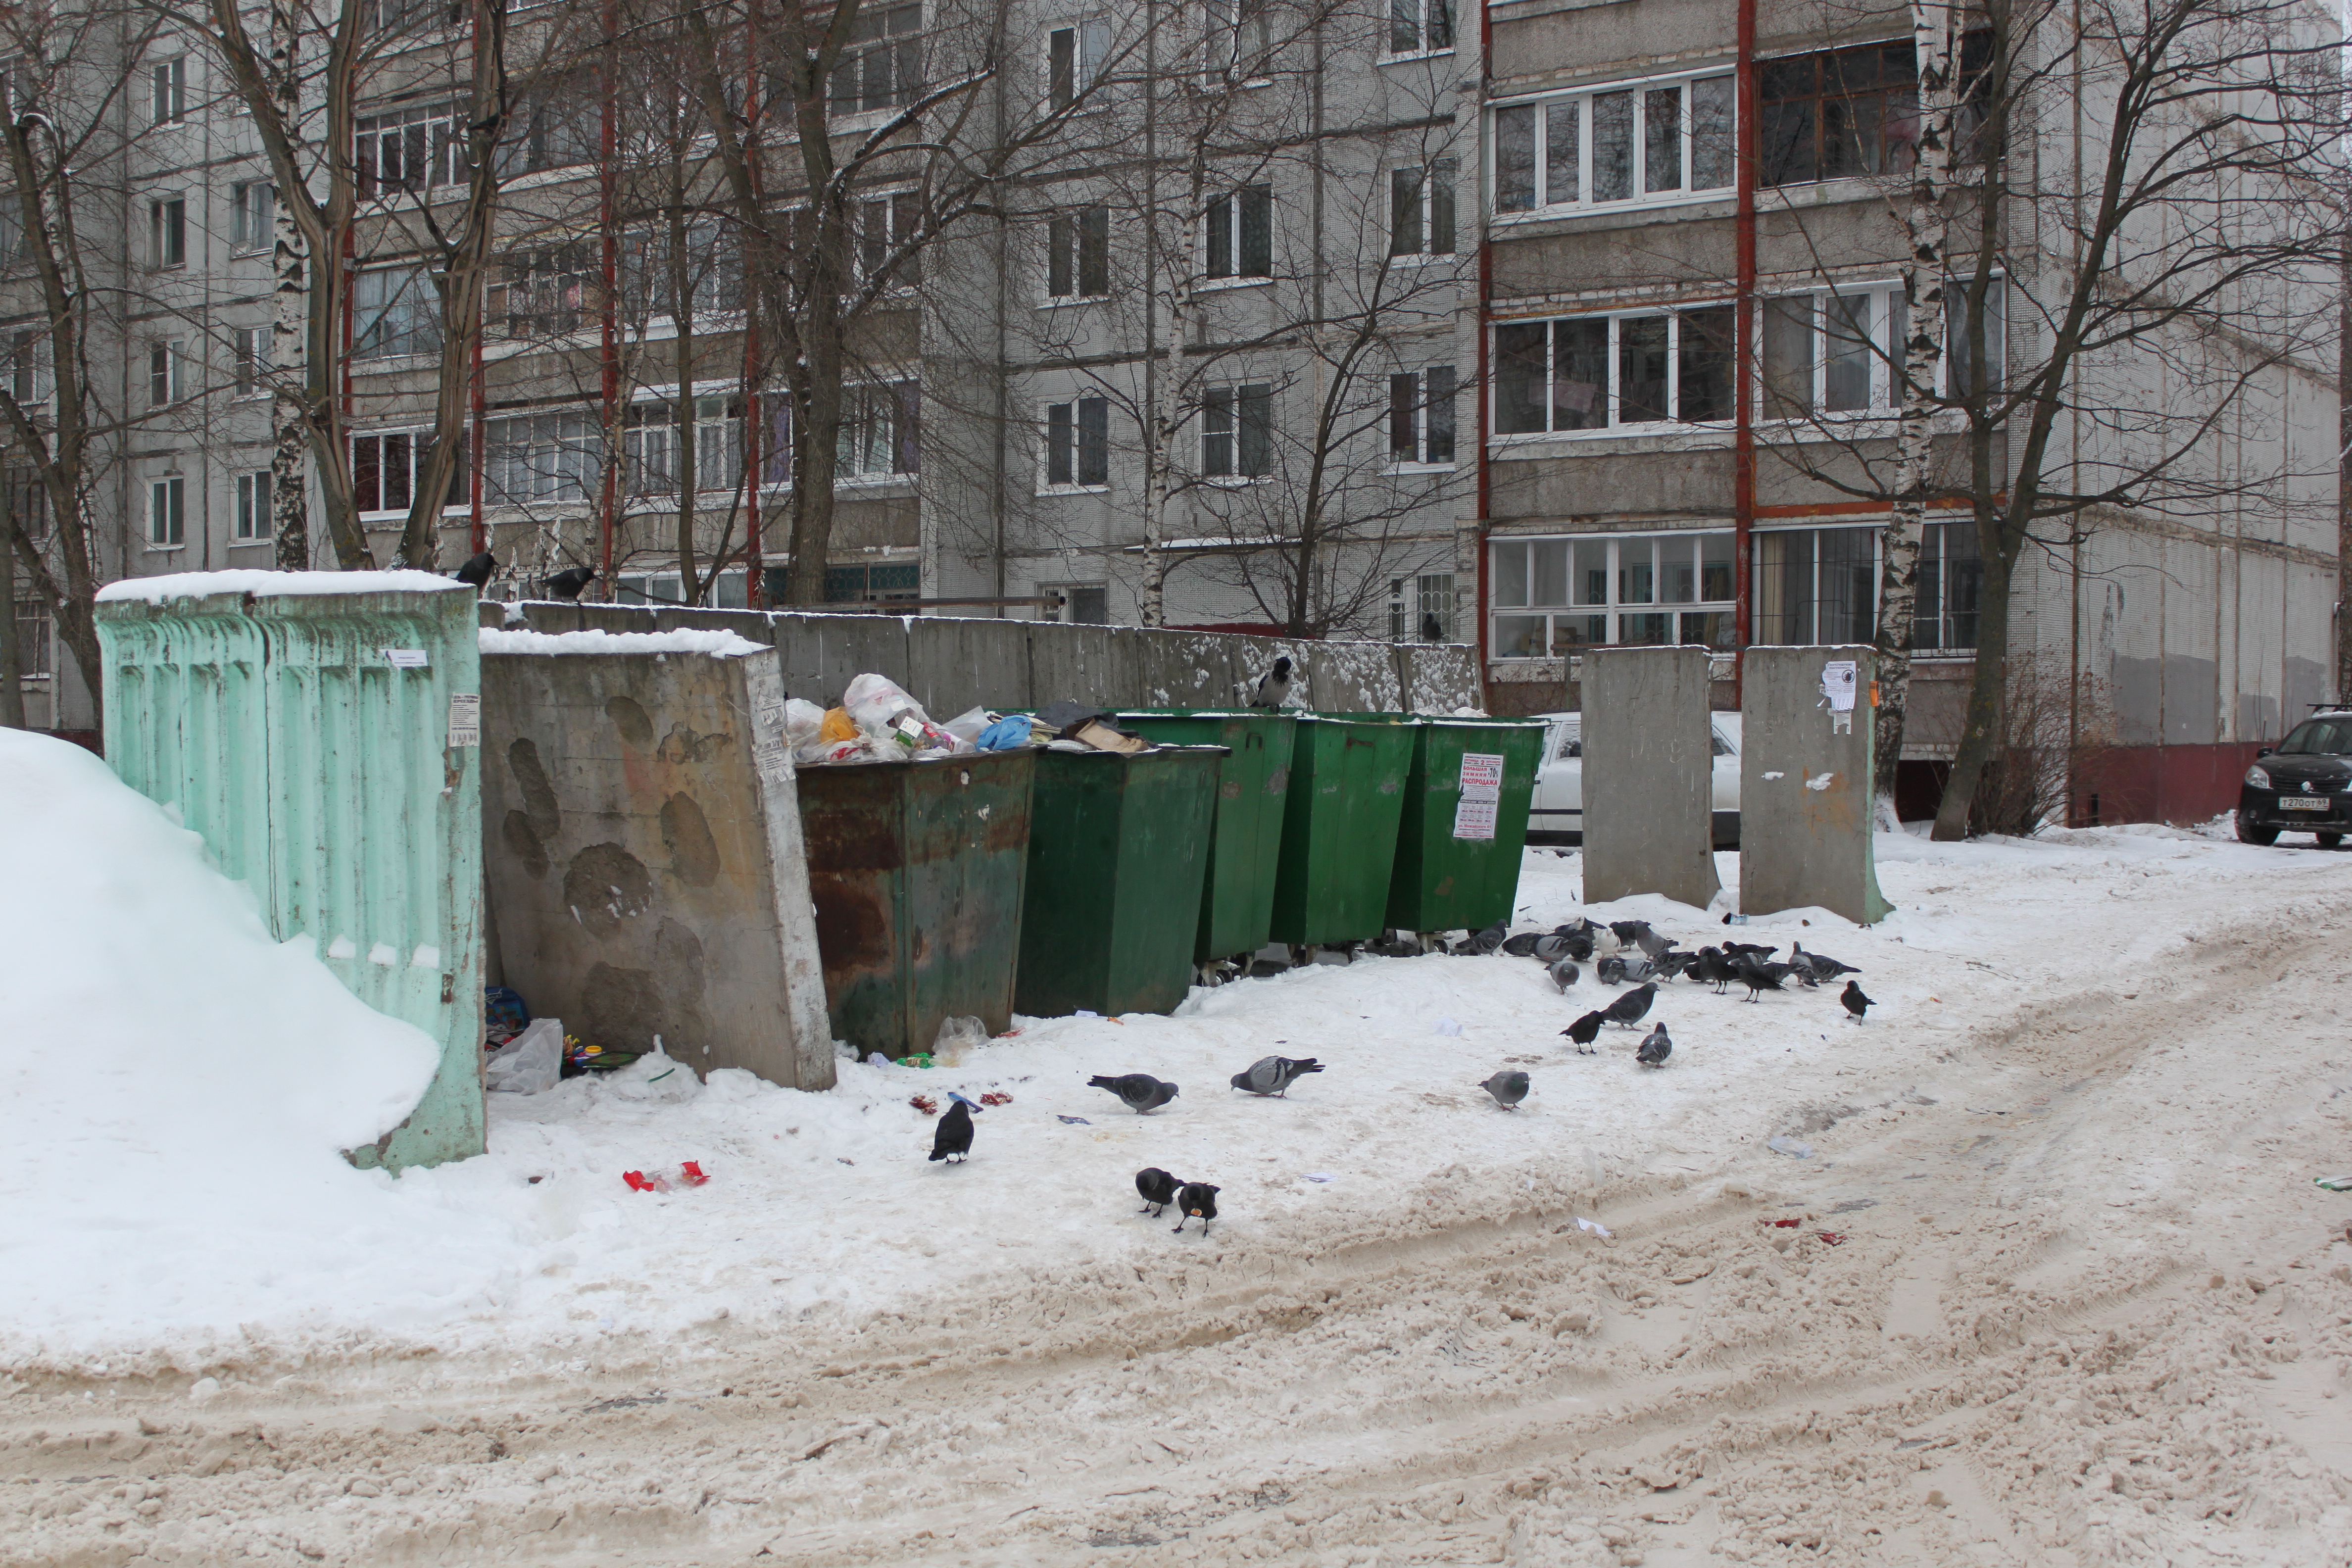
<point x="1420" y="210"/>
<point x="253" y="505"/>
<point x="29" y="381"/>
<point x="885" y="227"/>
<point x="387" y="466"/>
<point x="1839" y="113"/>
<point x="543" y="293"/>
<point x="402" y="16"/>
<point x="1237" y="432"/>
<point x="649" y="443"/>
<point x="395" y="312"/>
<point x="411" y="150"/>
<point x="1421" y="416"/>
<point x="1078" y="444"/>
<point x="1960" y="360"/>
<point x="867" y="584"/>
<point x="1074" y="58"/>
<point x="252" y="215"/>
<point x="555" y="283"/>
<point x="882" y="68"/>
<point x="1241" y="234"/>
<point x="164" y="375"/>
<point x="167" y="231"/>
<point x="1078" y="253"/>
<point x="1238" y="35"/>
<point x="551" y="459"/>
<point x="168" y="91"/>
<point x="1421" y="609"/>
<point x="1816" y="586"/>
<point x="1951" y="574"/>
<point x="554" y="125"/>
<point x="249" y="351"/>
<point x="1839" y="351"/>
<point x="1591" y="372"/>
<point x="1420" y="26"/>
<point x="879" y="428"/>
<point x="32" y="637"/>
<point x="1555" y="596"/>
<point x="167" y="514"/>
<point x="1081" y="604"/>
<point x="1664" y="141"/>
<point x="29" y="499"/>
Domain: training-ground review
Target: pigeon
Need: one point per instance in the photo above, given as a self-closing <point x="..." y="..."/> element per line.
<point x="1522" y="946"/>
<point x="1655" y="1048"/>
<point x="954" y="1136"/>
<point x="1488" y="941"/>
<point x="1508" y="1088"/>
<point x="1734" y="949"/>
<point x="1553" y="944"/>
<point x="474" y="574"/>
<point x="1564" y="974"/>
<point x="1273" y="1075"/>
<point x="1758" y="976"/>
<point x="1651" y="942"/>
<point x="1629" y="1008"/>
<point x="1273" y="686"/>
<point x="1159" y="1190"/>
<point x="1197" y="1200"/>
<point x="1855" y="1002"/>
<point x="1628" y="933"/>
<point x="1670" y="965"/>
<point x="1585" y="1030"/>
<point x="567" y="584"/>
<point x="1823" y="967"/>
<point x="1709" y="967"/>
<point x="1140" y="1090"/>
<point x="1618" y="970"/>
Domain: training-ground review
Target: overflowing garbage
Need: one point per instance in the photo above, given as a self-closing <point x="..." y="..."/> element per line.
<point x="878" y="721"/>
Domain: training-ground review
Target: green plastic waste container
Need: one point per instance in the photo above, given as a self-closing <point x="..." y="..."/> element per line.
<point x="1119" y="846"/>
<point x="917" y="870"/>
<point x="1237" y="901"/>
<point x="1465" y="824"/>
<point x="1339" y="826"/>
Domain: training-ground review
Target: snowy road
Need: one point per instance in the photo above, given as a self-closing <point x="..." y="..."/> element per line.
<point x="2084" y="1306"/>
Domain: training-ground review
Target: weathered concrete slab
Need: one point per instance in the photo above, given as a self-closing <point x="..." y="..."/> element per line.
<point x="645" y="867"/>
<point x="1648" y="776"/>
<point x="1804" y="786"/>
<point x="953" y="665"/>
<point x="1438" y="679"/>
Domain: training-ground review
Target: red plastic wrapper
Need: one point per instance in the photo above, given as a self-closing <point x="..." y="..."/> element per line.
<point x="691" y="1173"/>
<point x="641" y="1182"/>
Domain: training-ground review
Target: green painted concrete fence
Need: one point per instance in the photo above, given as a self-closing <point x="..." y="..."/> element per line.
<point x="319" y="770"/>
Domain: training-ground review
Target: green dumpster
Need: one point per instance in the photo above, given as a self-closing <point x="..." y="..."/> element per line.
<point x="1118" y="847"/>
<point x="1339" y="826"/>
<point x="1465" y="824"/>
<point x="1237" y="901"/>
<point x="917" y="870"/>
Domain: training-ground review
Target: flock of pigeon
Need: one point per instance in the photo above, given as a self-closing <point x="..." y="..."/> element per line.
<point x="1635" y="955"/>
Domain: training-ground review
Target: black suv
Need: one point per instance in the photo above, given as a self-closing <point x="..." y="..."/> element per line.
<point x="2302" y="787"/>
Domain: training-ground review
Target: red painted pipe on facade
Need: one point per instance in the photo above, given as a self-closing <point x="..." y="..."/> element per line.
<point x="1485" y="297"/>
<point x="1743" y="358"/>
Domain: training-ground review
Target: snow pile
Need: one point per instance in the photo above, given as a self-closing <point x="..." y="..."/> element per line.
<point x="274" y="585"/>
<point x="724" y="645"/>
<point x="178" y="1086"/>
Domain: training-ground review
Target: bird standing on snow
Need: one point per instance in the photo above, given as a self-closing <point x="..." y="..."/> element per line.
<point x="477" y="571"/>
<point x="1629" y="1008"/>
<point x="1823" y="966"/>
<point x="1564" y="974"/>
<point x="1140" y="1090"/>
<point x="1272" y="687"/>
<point x="567" y="584"/>
<point x="1756" y="975"/>
<point x="1159" y="1189"/>
<point x="954" y="1136"/>
<point x="1655" y="1048"/>
<point x="1508" y="1088"/>
<point x="1197" y="1200"/>
<point x="1855" y="1002"/>
<point x="1274" y="1074"/>
<point x="1586" y="1030"/>
<point x="1489" y="941"/>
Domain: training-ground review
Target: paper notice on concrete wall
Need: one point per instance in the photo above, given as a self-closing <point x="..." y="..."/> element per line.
<point x="465" y="719"/>
<point x="1838" y="685"/>
<point x="1482" y="792"/>
<point x="771" y="752"/>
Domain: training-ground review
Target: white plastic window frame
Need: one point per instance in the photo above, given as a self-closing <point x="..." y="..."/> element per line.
<point x="1638" y="175"/>
<point x="1047" y="484"/>
<point x="1613" y="427"/>
<point x="1613" y="604"/>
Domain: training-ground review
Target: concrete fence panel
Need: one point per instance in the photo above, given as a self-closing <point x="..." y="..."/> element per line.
<point x="953" y="665"/>
<point x="1648" y="769"/>
<point x="1805" y="783"/>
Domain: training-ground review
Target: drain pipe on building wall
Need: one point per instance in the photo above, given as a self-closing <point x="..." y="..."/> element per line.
<point x="1743" y="438"/>
<point x="1486" y="299"/>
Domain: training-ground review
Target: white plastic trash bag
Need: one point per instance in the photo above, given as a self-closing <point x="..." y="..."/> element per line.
<point x="531" y="1062"/>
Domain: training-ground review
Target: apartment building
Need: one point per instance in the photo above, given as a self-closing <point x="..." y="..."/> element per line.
<point x="1692" y="331"/>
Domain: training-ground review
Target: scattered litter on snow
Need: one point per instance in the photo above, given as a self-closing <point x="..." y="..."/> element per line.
<point x="1594" y="1228"/>
<point x="1791" y="1147"/>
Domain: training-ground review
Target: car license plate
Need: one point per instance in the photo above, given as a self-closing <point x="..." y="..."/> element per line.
<point x="2307" y="802"/>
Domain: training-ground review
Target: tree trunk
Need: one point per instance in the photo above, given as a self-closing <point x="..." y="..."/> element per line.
<point x="12" y="670"/>
<point x="289" y="498"/>
<point x="1981" y="730"/>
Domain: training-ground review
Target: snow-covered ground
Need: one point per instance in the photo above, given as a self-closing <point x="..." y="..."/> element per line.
<point x="179" y="1083"/>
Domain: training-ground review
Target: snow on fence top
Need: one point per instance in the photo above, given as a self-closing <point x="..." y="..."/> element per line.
<point x="724" y="644"/>
<point x="273" y="584"/>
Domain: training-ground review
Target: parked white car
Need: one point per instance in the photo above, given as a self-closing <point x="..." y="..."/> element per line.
<point x="1557" y="812"/>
